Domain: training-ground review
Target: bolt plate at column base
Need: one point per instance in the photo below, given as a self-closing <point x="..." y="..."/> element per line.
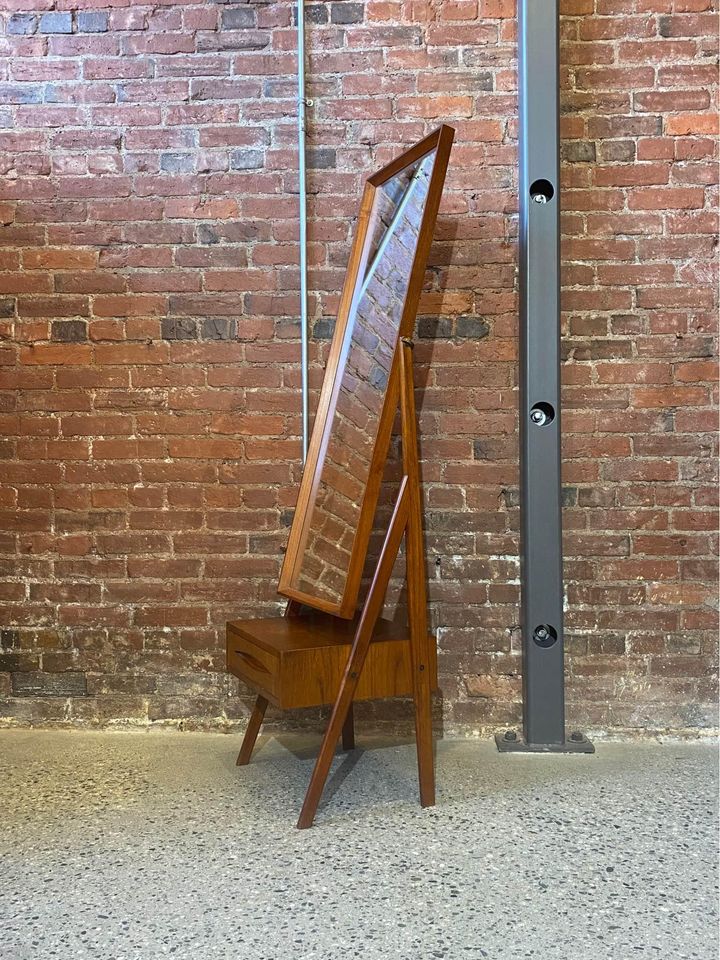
<point x="518" y="745"/>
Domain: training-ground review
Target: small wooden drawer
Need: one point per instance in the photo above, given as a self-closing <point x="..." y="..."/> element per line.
<point x="299" y="661"/>
<point x="255" y="665"/>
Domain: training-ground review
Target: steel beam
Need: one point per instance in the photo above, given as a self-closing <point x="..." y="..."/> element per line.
<point x="540" y="480"/>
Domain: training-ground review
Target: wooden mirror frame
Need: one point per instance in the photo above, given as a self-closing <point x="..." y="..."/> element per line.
<point x="439" y="141"/>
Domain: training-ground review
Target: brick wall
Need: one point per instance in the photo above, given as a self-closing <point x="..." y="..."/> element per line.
<point x="149" y="406"/>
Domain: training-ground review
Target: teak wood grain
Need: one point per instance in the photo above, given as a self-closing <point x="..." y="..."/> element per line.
<point x="331" y="655"/>
<point x="416" y="586"/>
<point x="440" y="141"/>
<point x="299" y="661"/>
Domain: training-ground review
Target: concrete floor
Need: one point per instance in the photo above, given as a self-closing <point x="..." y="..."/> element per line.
<point x="119" y="846"/>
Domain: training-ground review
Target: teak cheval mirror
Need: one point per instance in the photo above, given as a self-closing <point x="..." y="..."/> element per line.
<point x="323" y="651"/>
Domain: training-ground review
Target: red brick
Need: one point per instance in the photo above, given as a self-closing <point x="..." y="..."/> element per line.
<point x="57" y="259"/>
<point x="201" y="209"/>
<point x="609" y="78"/>
<point x="695" y="371"/>
<point x="670" y="396"/>
<point x="131" y="353"/>
<point x="622" y="175"/>
<point x="204" y="449"/>
<point x="95" y="426"/>
<point x="676" y="297"/>
<point x="696" y="520"/>
<point x="155" y="467"/>
<point x="673" y="198"/>
<point x="128" y="449"/>
<point x="672" y="101"/>
<point x="684" y="124"/>
<point x="642" y="470"/>
<point x="129" y="306"/>
<point x="57" y="353"/>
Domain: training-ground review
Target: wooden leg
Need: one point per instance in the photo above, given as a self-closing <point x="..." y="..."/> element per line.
<point x="256" y="717"/>
<point x="327" y="751"/>
<point x="417" y="590"/>
<point x="356" y="660"/>
<point x="424" y="740"/>
<point x="348" y="730"/>
<point x="253" y="728"/>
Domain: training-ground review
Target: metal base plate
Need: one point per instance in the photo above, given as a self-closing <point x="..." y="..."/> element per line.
<point x="511" y="742"/>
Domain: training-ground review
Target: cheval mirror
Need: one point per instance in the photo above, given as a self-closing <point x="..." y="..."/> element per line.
<point x="325" y="651"/>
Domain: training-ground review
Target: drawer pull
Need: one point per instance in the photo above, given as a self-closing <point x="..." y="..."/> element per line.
<point x="252" y="662"/>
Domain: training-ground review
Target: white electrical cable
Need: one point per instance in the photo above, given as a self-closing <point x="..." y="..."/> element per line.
<point x="302" y="189"/>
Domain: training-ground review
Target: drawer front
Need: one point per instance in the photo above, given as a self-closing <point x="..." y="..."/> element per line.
<point x="254" y="666"/>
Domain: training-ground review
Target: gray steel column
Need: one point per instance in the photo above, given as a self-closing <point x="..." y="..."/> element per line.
<point x="540" y="483"/>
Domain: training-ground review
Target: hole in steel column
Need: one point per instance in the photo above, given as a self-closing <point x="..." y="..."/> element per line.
<point x="544" y="635"/>
<point x="541" y="191"/>
<point x="542" y="413"/>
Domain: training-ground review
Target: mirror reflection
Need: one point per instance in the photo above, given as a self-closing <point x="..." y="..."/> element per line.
<point x="366" y="357"/>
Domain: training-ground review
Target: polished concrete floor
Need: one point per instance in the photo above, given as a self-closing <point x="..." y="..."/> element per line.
<point x="117" y="846"/>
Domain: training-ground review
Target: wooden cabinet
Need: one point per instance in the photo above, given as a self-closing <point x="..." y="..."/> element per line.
<point x="299" y="661"/>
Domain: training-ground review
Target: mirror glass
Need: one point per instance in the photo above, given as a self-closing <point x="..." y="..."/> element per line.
<point x="365" y="360"/>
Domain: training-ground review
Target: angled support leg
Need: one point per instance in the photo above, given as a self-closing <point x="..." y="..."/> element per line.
<point x="253" y="728"/>
<point x="258" y="713"/>
<point x="358" y="653"/>
<point x="348" y="730"/>
<point x="416" y="585"/>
